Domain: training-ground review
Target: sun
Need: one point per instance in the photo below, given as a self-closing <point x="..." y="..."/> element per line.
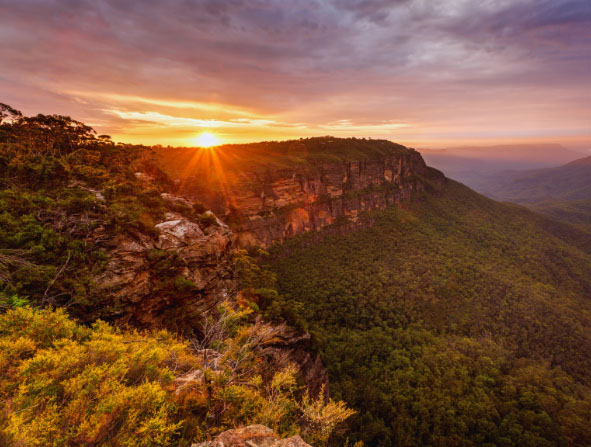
<point x="206" y="139"/>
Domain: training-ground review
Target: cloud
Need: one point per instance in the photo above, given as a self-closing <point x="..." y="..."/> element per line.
<point x="171" y="120"/>
<point x="281" y="65"/>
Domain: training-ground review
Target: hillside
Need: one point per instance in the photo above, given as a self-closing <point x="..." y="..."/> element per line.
<point x="127" y="316"/>
<point x="562" y="192"/>
<point x="453" y="320"/>
<point x="571" y="181"/>
<point x="575" y="212"/>
<point x="504" y="173"/>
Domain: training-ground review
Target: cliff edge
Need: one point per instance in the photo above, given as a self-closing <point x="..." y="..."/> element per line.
<point x="269" y="192"/>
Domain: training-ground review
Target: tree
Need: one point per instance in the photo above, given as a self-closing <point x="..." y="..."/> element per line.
<point x="8" y="113"/>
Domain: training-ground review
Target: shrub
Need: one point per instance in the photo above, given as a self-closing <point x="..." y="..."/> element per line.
<point x="66" y="384"/>
<point x="207" y="218"/>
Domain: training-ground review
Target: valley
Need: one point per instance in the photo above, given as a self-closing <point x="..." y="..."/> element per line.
<point x="430" y="308"/>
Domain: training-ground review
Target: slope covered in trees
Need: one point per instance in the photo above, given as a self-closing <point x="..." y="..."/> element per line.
<point x="576" y="212"/>
<point x="562" y="192"/>
<point x="455" y="320"/>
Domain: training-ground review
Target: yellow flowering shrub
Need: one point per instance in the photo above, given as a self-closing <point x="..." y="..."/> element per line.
<point x="64" y="384"/>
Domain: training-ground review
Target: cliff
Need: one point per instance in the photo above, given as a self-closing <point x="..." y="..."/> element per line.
<point x="172" y="279"/>
<point x="186" y="271"/>
<point x="96" y="228"/>
<point x="292" y="190"/>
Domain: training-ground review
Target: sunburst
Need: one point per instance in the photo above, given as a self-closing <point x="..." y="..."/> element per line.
<point x="206" y="139"/>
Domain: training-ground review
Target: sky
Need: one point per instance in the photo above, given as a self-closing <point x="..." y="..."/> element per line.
<point x="428" y="73"/>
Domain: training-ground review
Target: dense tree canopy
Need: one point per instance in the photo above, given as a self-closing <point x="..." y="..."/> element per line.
<point x="455" y="320"/>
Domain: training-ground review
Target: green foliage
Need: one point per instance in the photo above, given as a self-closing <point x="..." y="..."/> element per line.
<point x="207" y="218"/>
<point x="9" y="299"/>
<point x="576" y="212"/>
<point x="183" y="284"/>
<point x="453" y="321"/>
<point x="259" y="289"/>
<point x="63" y="191"/>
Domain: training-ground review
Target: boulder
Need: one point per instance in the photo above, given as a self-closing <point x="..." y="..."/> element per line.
<point x="252" y="436"/>
<point x="178" y="233"/>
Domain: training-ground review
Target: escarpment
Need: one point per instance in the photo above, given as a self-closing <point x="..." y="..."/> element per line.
<point x="299" y="188"/>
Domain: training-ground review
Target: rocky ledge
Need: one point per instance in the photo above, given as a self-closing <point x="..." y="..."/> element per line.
<point x="175" y="278"/>
<point x="252" y="436"/>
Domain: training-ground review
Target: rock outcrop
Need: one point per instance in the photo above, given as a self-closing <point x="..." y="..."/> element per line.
<point x="195" y="258"/>
<point x="171" y="280"/>
<point x="291" y="347"/>
<point x="252" y="436"/>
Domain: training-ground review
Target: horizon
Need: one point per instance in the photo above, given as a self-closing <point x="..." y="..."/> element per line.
<point x="454" y="74"/>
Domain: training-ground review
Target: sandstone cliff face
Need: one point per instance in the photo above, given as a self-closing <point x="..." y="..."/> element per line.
<point x="272" y="206"/>
<point x="198" y="258"/>
<point x="188" y="252"/>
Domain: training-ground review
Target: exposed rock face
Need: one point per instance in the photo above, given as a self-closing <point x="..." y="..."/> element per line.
<point x="289" y="348"/>
<point x="270" y="207"/>
<point x="252" y="436"/>
<point x="200" y="254"/>
<point x="143" y="271"/>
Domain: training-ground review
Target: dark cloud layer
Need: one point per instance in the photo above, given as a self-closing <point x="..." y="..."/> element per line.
<point x="439" y="69"/>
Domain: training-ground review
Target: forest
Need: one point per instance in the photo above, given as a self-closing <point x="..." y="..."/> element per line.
<point x="449" y="320"/>
<point x="453" y="320"/>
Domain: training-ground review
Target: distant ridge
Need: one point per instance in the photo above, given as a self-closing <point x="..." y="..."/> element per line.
<point x="484" y="168"/>
<point x="528" y="155"/>
<point x="571" y="181"/>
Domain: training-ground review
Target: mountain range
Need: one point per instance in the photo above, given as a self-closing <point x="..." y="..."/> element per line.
<point x="559" y="189"/>
<point x="481" y="166"/>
